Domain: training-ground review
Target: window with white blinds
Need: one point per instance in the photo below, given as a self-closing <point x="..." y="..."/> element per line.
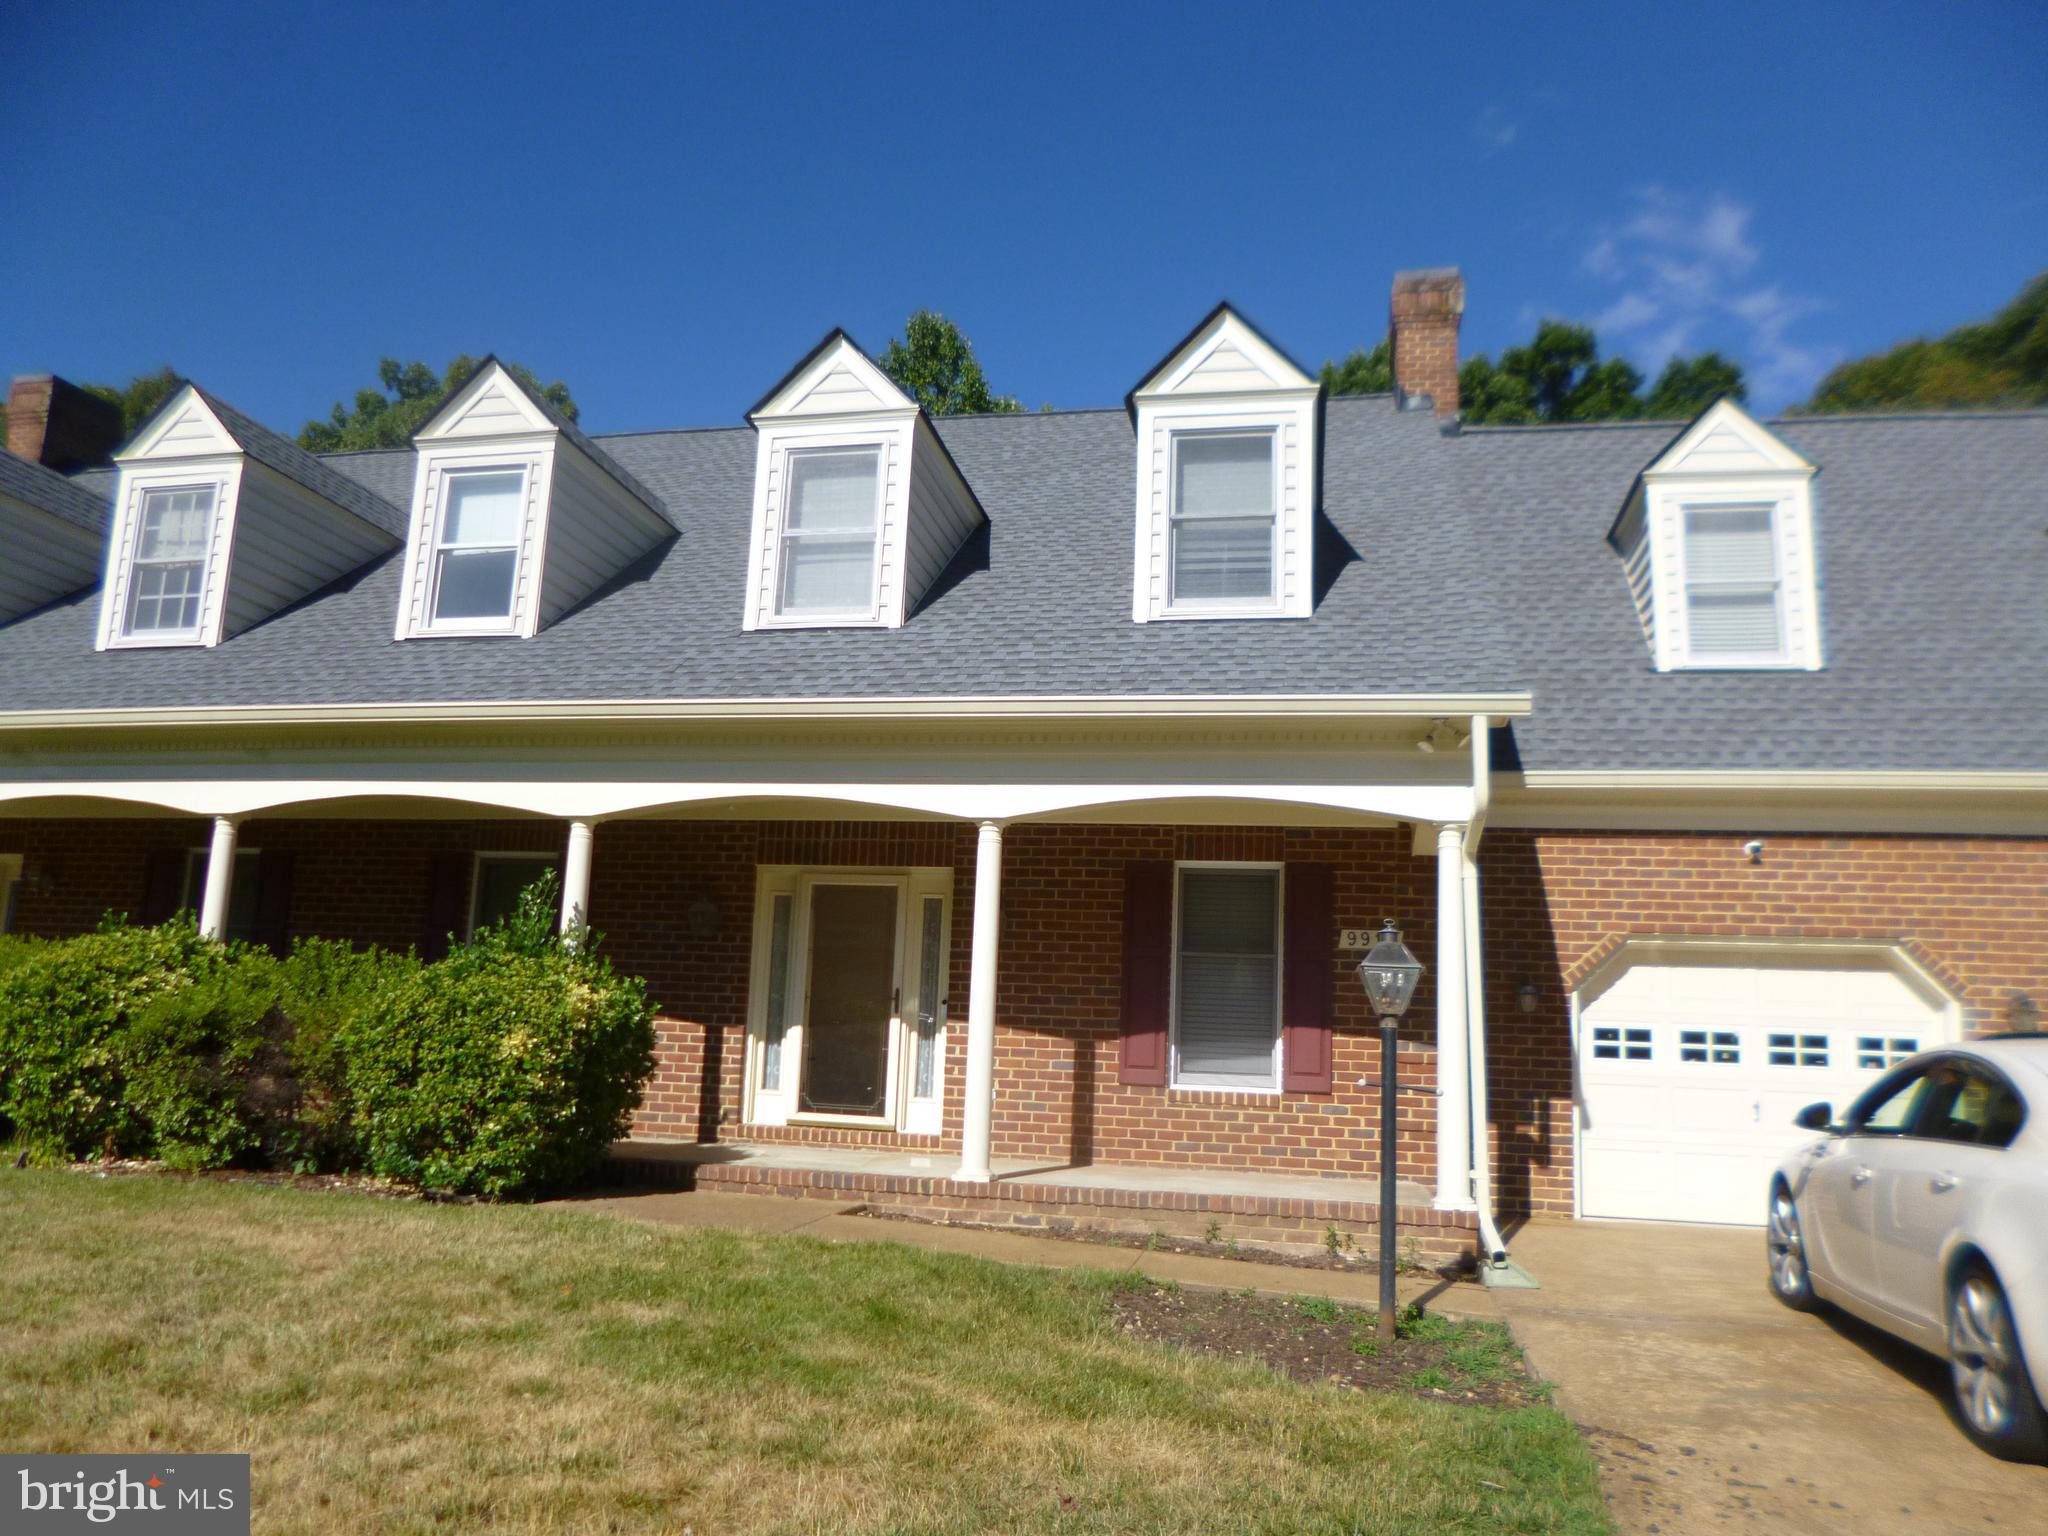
<point x="1222" y="518"/>
<point x="1732" y="586"/>
<point x="1227" y="988"/>
<point x="169" y="571"/>
<point x="829" y="525"/>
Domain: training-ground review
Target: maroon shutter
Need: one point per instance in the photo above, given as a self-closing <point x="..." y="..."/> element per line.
<point x="447" y="895"/>
<point x="273" y="901"/>
<point x="163" y="885"/>
<point x="1306" y="1064"/>
<point x="1148" y="970"/>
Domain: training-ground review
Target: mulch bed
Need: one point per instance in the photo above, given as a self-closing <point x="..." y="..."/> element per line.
<point x="1277" y="1332"/>
<point x="1350" y="1259"/>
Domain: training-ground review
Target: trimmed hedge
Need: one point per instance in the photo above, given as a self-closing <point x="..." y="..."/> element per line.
<point x="507" y="1067"/>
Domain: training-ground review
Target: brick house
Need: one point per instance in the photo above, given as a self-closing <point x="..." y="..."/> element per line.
<point x="996" y="805"/>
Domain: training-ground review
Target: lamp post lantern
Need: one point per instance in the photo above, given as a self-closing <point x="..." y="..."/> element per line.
<point x="1389" y="974"/>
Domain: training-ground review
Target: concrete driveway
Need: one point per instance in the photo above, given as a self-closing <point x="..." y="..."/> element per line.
<point x="1714" y="1408"/>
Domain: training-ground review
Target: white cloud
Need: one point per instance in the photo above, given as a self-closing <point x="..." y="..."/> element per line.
<point x="1684" y="265"/>
<point x="1495" y="130"/>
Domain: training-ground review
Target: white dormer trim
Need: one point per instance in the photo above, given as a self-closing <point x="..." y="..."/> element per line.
<point x="488" y="424"/>
<point x="839" y="401"/>
<point x="1729" y="471"/>
<point x="184" y="449"/>
<point x="1225" y="381"/>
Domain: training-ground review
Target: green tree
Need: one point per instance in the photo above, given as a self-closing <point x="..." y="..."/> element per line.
<point x="935" y="365"/>
<point x="411" y="393"/>
<point x="140" y="396"/>
<point x="1362" y="373"/>
<point x="1560" y="376"/>
<point x="1688" y="385"/>
<point x="2002" y="361"/>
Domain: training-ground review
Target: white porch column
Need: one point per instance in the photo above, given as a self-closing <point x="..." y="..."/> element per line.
<point x="1453" y="1088"/>
<point x="978" y="1111"/>
<point x="576" y="880"/>
<point x="220" y="879"/>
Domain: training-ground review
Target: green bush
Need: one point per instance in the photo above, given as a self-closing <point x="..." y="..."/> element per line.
<point x="505" y="1068"/>
<point x="245" y="1064"/>
<point x="64" y="1011"/>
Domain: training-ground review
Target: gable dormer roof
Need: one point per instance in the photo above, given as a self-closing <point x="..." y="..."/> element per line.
<point x="1224" y="354"/>
<point x="53" y="531"/>
<point x="280" y="453"/>
<point x="516" y="515"/>
<point x="494" y="402"/>
<point x="44" y="489"/>
<point x="896" y="512"/>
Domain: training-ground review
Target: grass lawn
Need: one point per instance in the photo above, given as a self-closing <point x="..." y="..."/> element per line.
<point x="396" y="1367"/>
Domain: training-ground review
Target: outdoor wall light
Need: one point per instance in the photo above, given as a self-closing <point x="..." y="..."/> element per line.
<point x="2022" y="1014"/>
<point x="1389" y="974"/>
<point x="1528" y="995"/>
<point x="703" y="918"/>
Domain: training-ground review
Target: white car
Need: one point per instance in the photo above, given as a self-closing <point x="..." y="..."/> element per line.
<point x="1924" y="1211"/>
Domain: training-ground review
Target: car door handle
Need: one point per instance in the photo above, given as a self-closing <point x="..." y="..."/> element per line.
<point x="1944" y="1182"/>
<point x="1860" y="1176"/>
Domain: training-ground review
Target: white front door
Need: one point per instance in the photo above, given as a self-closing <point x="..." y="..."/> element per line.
<point x="1692" y="1065"/>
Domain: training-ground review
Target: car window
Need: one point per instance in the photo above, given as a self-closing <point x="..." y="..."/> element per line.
<point x="1891" y="1107"/>
<point x="1967" y="1104"/>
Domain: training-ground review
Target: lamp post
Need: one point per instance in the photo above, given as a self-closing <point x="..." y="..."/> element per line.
<point x="1389" y="974"/>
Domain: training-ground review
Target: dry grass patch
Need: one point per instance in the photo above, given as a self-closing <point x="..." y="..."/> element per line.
<point x="404" y="1368"/>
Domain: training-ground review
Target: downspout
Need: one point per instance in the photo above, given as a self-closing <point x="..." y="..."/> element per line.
<point x="1475" y="998"/>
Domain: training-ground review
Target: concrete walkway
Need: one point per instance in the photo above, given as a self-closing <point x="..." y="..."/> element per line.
<point x="1713" y="1408"/>
<point x="833" y="1222"/>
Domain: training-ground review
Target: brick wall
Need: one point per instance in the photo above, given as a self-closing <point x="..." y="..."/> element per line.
<point x="1558" y="903"/>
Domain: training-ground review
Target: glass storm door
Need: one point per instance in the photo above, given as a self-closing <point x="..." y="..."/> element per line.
<point x="851" y="1001"/>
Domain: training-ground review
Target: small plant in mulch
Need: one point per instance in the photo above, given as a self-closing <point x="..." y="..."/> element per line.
<point x="1315" y="1339"/>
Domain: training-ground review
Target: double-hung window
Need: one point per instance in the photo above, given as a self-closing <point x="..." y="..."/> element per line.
<point x="169" y="574"/>
<point x="1222" y="520"/>
<point x="476" y="548"/>
<point x="1227" y="978"/>
<point x="1733" y="590"/>
<point x="831" y="516"/>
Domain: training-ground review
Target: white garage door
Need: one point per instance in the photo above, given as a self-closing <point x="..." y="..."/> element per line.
<point x="1691" y="1066"/>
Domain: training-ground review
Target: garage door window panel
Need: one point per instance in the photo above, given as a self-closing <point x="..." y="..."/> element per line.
<point x="1798" y="1050"/>
<point x="1622" y="1044"/>
<point x="1716" y="1047"/>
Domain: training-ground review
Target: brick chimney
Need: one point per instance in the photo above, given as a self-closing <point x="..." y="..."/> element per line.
<point x="1423" y="325"/>
<point x="54" y="422"/>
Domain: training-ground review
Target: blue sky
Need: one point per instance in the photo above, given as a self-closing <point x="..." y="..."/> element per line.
<point x="666" y="206"/>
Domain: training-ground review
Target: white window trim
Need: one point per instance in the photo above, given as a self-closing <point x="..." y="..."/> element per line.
<point x="535" y="456"/>
<point x="184" y="634"/>
<point x="782" y="442"/>
<point x="221" y="476"/>
<point x="1226" y="607"/>
<point x="498" y="855"/>
<point x="906" y="1112"/>
<point x="445" y="474"/>
<point x="780" y="535"/>
<point x="1773" y="506"/>
<point x="1175" y="1081"/>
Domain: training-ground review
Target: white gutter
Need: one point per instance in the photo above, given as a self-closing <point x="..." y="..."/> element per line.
<point x="1496" y="1249"/>
<point x="1610" y="780"/>
<point x="959" y="707"/>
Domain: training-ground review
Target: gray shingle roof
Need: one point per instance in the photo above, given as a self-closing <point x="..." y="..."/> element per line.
<point x="1476" y="561"/>
<point x="294" y="463"/>
<point x="48" y="491"/>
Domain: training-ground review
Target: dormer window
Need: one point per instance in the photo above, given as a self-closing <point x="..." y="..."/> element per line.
<point x="1223" y="527"/>
<point x="516" y="516"/>
<point x="1733" y="596"/>
<point x="1226" y="440"/>
<point x="1717" y="544"/>
<point x="476" y="556"/>
<point x="858" y="508"/>
<point x="827" y="548"/>
<point x="218" y="523"/>
<point x="169" y="573"/>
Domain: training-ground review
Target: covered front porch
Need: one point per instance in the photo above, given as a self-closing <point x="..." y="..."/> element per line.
<point x="970" y="902"/>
